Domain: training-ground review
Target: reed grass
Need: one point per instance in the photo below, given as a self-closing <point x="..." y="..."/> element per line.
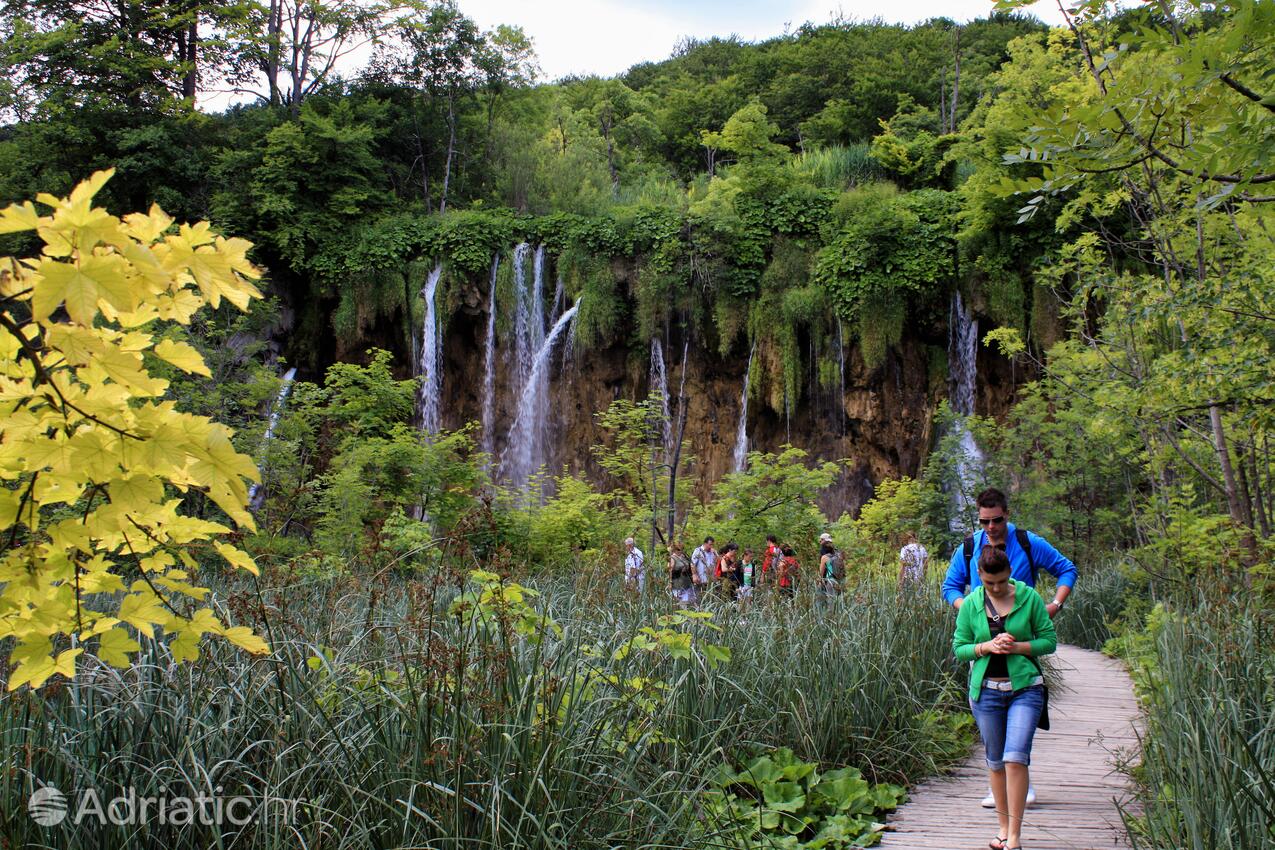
<point x="397" y="724"/>
<point x="1207" y="772"/>
<point x="839" y="167"/>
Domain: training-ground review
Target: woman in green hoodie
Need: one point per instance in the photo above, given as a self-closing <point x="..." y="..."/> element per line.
<point x="1002" y="627"/>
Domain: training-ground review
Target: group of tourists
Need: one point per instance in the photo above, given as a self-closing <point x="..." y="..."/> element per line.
<point x="1002" y="625"/>
<point x="735" y="573"/>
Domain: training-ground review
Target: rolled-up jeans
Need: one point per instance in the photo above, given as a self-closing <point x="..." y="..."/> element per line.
<point x="1007" y="722"/>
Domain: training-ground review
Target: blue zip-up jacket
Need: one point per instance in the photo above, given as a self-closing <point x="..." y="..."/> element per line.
<point x="1043" y="553"/>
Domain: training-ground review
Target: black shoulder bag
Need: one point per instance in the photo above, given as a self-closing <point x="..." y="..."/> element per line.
<point x="1043" y="721"/>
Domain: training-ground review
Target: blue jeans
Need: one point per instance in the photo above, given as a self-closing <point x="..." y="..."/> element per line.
<point x="1007" y="722"/>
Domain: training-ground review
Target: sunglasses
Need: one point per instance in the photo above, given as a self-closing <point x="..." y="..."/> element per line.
<point x="996" y="520"/>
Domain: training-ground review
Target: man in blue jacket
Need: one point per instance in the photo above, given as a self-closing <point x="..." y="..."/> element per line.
<point x="1027" y="553"/>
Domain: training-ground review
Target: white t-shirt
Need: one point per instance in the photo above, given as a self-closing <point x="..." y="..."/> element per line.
<point x="914" y="557"/>
<point x="702" y="560"/>
<point x="634" y="563"/>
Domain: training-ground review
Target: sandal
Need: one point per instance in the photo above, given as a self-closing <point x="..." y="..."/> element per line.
<point x="997" y="843"/>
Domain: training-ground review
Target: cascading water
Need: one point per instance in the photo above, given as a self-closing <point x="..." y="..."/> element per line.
<point x="431" y="362"/>
<point x="525" y="451"/>
<point x="276" y="410"/>
<point x="741" y="431"/>
<point x="659" y="385"/>
<point x="559" y="297"/>
<point x="489" y="363"/>
<point x="528" y="327"/>
<point x="962" y="358"/>
<point x="841" y="376"/>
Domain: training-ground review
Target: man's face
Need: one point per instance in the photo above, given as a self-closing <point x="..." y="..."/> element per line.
<point x="993" y="521"/>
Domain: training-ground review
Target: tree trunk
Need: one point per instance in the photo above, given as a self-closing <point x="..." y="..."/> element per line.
<point x="1259" y="498"/>
<point x="274" y="28"/>
<point x="1234" y="504"/>
<point x="451" y="149"/>
<point x="956" y="83"/>
<point x="190" y="84"/>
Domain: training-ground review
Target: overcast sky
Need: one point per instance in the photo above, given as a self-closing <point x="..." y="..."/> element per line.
<point x="605" y="37"/>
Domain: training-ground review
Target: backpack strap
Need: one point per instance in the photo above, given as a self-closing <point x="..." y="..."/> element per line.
<point x="1025" y="543"/>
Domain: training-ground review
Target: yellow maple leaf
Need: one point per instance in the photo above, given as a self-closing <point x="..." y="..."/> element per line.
<point x="237" y="558"/>
<point x="244" y="638"/>
<point x="16" y="218"/>
<point x="183" y="356"/>
<point x="115" y="646"/>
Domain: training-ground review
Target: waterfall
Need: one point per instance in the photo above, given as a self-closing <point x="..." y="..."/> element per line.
<point x="525" y="451"/>
<point x="489" y="361"/>
<point x="431" y="362"/>
<point x="841" y="376"/>
<point x="276" y="410"/>
<point x="522" y="349"/>
<point x="962" y="354"/>
<point x="558" y="299"/>
<point x="741" y="432"/>
<point x="659" y="384"/>
<point x="962" y="359"/>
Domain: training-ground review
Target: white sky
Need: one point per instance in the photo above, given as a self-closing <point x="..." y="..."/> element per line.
<point x="606" y="37"/>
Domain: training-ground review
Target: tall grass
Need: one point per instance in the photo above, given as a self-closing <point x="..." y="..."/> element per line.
<point x="839" y="167"/>
<point x="397" y="724"/>
<point x="1090" y="613"/>
<point x="1208" y="755"/>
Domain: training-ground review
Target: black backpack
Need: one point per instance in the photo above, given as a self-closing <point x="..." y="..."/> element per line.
<point x="1023" y="540"/>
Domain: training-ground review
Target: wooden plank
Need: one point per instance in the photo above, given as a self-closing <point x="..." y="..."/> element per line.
<point x="1095" y="722"/>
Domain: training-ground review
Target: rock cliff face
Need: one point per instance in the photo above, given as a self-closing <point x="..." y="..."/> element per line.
<point x="882" y="423"/>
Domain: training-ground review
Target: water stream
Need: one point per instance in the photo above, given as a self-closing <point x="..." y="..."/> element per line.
<point x="431" y="363"/>
<point x="525" y="452"/>
<point x="741" y="431"/>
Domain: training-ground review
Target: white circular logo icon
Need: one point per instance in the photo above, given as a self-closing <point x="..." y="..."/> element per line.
<point x="47" y="806"/>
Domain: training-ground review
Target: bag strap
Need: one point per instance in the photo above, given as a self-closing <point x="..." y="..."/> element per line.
<point x="967" y="549"/>
<point x="1025" y="543"/>
<point x="987" y="606"/>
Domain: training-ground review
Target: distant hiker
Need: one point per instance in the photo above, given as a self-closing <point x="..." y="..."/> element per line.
<point x="770" y="560"/>
<point x="913" y="560"/>
<point x="1027" y="552"/>
<point x="831" y="571"/>
<point x="748" y="573"/>
<point x="789" y="569"/>
<point x="634" y="566"/>
<point x="1000" y="633"/>
<point x="725" y="573"/>
<point x="703" y="561"/>
<point x="680" y="576"/>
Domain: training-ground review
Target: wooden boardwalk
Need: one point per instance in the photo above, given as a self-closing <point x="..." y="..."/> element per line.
<point x="1093" y="718"/>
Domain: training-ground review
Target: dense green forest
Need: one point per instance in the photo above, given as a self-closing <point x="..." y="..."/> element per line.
<point x="1099" y="192"/>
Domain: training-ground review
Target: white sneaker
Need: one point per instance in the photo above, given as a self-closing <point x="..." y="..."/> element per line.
<point x="989" y="802"/>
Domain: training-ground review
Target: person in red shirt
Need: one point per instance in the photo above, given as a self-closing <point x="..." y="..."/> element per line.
<point x="789" y="568"/>
<point x="770" y="558"/>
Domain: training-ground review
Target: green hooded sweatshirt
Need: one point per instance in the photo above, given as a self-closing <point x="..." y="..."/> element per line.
<point x="1028" y="621"/>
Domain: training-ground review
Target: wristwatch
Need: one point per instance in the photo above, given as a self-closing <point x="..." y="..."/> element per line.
<point x="1059" y="602"/>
